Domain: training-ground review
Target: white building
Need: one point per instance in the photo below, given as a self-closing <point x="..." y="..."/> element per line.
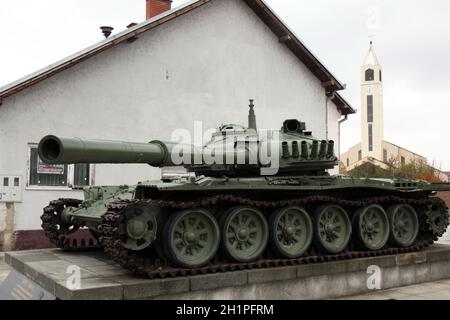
<point x="201" y="61"/>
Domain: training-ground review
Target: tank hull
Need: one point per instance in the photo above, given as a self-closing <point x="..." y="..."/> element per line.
<point x="341" y="218"/>
<point x="97" y="199"/>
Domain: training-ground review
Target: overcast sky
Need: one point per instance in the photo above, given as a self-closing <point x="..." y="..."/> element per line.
<point x="411" y="38"/>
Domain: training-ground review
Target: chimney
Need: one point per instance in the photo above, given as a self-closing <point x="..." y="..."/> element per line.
<point x="106" y="30"/>
<point x="156" y="7"/>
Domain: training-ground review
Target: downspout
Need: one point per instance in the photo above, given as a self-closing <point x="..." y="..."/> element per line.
<point x="341" y="121"/>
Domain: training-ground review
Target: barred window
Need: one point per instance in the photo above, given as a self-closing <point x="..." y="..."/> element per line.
<point x="58" y="175"/>
<point x="370" y="138"/>
<point x="42" y="174"/>
<point x="385" y="155"/>
<point x="81" y="175"/>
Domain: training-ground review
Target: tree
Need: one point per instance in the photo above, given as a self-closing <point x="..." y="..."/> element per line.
<point x="342" y="168"/>
<point x="415" y="170"/>
<point x="369" y="170"/>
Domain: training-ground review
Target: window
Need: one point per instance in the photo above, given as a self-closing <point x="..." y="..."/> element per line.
<point x="381" y="79"/>
<point x="385" y="155"/>
<point x="81" y="175"/>
<point x="58" y="175"/>
<point x="403" y="161"/>
<point x="370" y="108"/>
<point x="5" y="181"/>
<point x="348" y="162"/>
<point x="42" y="174"/>
<point x="370" y="138"/>
<point x="359" y="155"/>
<point x="370" y="75"/>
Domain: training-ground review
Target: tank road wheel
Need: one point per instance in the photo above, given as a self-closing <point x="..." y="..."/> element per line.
<point x="139" y="227"/>
<point x="191" y="238"/>
<point x="245" y="234"/>
<point x="404" y="225"/>
<point x="290" y="232"/>
<point x="332" y="229"/>
<point x="371" y="226"/>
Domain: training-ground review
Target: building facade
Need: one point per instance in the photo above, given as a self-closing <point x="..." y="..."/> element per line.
<point x="201" y="61"/>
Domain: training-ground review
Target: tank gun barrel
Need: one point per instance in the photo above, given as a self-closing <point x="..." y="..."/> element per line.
<point x="60" y="150"/>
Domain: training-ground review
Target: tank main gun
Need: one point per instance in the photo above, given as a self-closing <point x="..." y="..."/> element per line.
<point x="60" y="150"/>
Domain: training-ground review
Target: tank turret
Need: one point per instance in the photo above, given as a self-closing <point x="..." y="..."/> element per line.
<point x="233" y="150"/>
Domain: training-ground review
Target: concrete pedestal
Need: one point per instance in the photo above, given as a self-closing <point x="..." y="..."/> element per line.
<point x="56" y="272"/>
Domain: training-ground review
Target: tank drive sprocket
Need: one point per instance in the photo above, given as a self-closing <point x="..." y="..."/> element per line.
<point x="66" y="235"/>
<point x="437" y="218"/>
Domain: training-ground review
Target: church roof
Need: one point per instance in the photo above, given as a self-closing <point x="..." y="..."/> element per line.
<point x="264" y="12"/>
<point x="371" y="57"/>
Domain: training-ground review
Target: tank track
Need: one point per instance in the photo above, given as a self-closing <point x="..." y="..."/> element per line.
<point x="150" y="266"/>
<point x="65" y="237"/>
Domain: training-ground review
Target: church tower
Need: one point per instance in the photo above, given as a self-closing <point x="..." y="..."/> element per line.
<point x="372" y="126"/>
<point x="373" y="148"/>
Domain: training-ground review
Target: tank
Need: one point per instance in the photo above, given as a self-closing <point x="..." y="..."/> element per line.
<point x="247" y="199"/>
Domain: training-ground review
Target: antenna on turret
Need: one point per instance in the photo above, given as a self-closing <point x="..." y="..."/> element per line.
<point x="251" y="116"/>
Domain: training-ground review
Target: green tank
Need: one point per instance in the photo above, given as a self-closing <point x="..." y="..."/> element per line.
<point x="248" y="199"/>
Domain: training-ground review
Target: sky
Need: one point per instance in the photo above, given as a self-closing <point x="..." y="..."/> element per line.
<point x="411" y="38"/>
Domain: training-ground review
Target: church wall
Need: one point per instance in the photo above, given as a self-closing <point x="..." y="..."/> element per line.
<point x="397" y="153"/>
<point x="352" y="155"/>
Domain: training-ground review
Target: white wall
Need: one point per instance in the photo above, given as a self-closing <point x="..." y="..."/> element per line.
<point x="202" y="66"/>
<point x="333" y="131"/>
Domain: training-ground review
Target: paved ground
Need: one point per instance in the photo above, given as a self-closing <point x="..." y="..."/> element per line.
<point x="4" y="268"/>
<point x="439" y="290"/>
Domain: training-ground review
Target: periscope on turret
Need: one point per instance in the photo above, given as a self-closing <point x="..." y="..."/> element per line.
<point x="253" y="198"/>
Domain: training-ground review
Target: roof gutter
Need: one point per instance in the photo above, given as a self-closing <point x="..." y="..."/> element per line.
<point x="341" y="121"/>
